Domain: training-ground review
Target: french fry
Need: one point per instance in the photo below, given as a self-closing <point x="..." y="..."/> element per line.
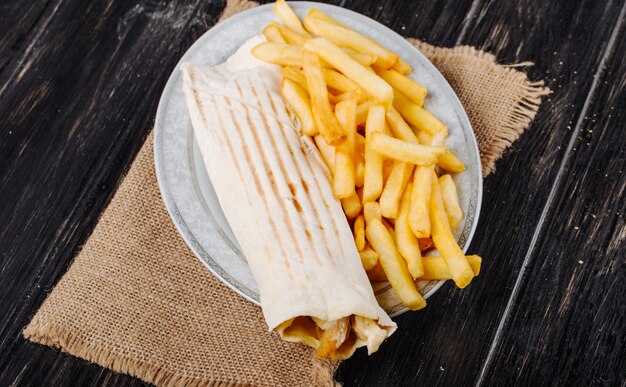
<point x="405" y="239"/>
<point x="389" y="228"/>
<point x="362" y="111"/>
<point x="404" y="151"/>
<point x="394" y="186"/>
<point x="352" y="206"/>
<point x="344" y="176"/>
<point x="272" y="34"/>
<point x="278" y="53"/>
<point x="364" y="59"/>
<point x="298" y="100"/>
<point x="295" y="74"/>
<point x="387" y="166"/>
<point x="289" y="18"/>
<point x="449" y="162"/>
<point x="345" y="37"/>
<point x="409" y="88"/>
<point x="326" y="123"/>
<point x="316" y="13"/>
<point x="369" y="81"/>
<point x="359" y="169"/>
<point x="455" y="260"/>
<point x="377" y="274"/>
<point x="357" y="94"/>
<point x="359" y="232"/>
<point x="394" y="266"/>
<point x="450" y="201"/>
<point x="338" y="81"/>
<point x="402" y="67"/>
<point x="399" y="128"/>
<point x="369" y="257"/>
<point x="373" y="179"/>
<point x="417" y="116"/>
<point x="419" y="209"/>
<point x="371" y="212"/>
<point x="289" y="35"/>
<point x="435" y="267"/>
<point x="327" y="151"/>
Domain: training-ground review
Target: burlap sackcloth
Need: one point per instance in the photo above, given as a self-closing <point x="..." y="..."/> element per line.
<point x="137" y="301"/>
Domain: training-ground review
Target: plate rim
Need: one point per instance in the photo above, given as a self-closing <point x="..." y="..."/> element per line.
<point x="171" y="205"/>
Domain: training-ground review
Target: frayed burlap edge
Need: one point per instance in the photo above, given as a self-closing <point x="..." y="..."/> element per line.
<point x="525" y="110"/>
<point x="50" y="335"/>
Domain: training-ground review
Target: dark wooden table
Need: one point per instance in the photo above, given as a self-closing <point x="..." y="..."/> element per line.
<point x="79" y="85"/>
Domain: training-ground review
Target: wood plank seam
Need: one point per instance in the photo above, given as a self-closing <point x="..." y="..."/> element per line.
<point x="598" y="75"/>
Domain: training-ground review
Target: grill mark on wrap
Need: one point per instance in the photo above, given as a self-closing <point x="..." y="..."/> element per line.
<point x="317" y="184"/>
<point x="257" y="183"/>
<point x="282" y="129"/>
<point x="255" y="133"/>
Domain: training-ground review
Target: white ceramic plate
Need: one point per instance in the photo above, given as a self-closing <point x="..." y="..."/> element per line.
<point x="186" y="187"/>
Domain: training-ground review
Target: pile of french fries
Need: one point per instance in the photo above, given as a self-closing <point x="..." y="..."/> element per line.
<point x="386" y="153"/>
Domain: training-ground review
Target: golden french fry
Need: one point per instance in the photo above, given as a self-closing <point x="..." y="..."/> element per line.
<point x="327" y="123"/>
<point x="387" y="166"/>
<point x="359" y="232"/>
<point x="369" y="257"/>
<point x="272" y="34"/>
<point x="362" y="111"/>
<point x="298" y="100"/>
<point x="338" y="81"/>
<point x="369" y="81"/>
<point x="377" y="274"/>
<point x="405" y="239"/>
<point x="449" y="162"/>
<point x="435" y="267"/>
<point x="344" y="177"/>
<point x="289" y="18"/>
<point x="359" y="168"/>
<point x="389" y="228"/>
<point x="316" y="13"/>
<point x="399" y="128"/>
<point x="404" y="151"/>
<point x="394" y="186"/>
<point x="357" y="94"/>
<point x="394" y="265"/>
<point x="327" y="151"/>
<point x="409" y="88"/>
<point x="417" y="116"/>
<point x="345" y="37"/>
<point x="371" y="211"/>
<point x="364" y="59"/>
<point x="279" y="53"/>
<point x="352" y="206"/>
<point x="373" y="179"/>
<point x="360" y="142"/>
<point x="402" y="67"/>
<point x="289" y="35"/>
<point x="457" y="264"/>
<point x="450" y="201"/>
<point x="419" y="209"/>
<point x="295" y="74"/>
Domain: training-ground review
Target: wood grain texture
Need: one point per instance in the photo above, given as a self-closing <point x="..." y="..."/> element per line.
<point x="448" y="341"/>
<point x="80" y="83"/>
<point x="568" y="325"/>
<point x="71" y="124"/>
